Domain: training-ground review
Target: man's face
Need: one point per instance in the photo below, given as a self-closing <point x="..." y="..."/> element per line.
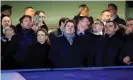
<point x="41" y="36"/>
<point x="97" y="27"/>
<point x="129" y="25"/>
<point x="106" y="16"/>
<point x="7" y="12"/>
<point x="6" y="21"/>
<point x="26" y="24"/>
<point x="110" y="28"/>
<point x="42" y="16"/>
<point x="112" y="10"/>
<point x="84" y="23"/>
<point x="69" y="28"/>
<point x="30" y="12"/>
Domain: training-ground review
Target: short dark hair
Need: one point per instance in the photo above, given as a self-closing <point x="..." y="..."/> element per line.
<point x="4" y="7"/>
<point x="28" y="8"/>
<point x="63" y="19"/>
<point x="24" y="16"/>
<point x="113" y="5"/>
<point x="105" y="11"/>
<point x="72" y="21"/>
<point x="38" y="12"/>
<point x="115" y="24"/>
<point x="130" y="19"/>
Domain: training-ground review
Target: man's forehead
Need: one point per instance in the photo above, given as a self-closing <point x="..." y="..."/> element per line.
<point x="106" y="12"/>
<point x="131" y="21"/>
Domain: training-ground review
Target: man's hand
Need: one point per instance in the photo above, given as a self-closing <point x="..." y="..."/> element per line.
<point x="127" y="60"/>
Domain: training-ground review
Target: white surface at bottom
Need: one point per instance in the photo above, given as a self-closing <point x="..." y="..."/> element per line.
<point x="11" y="76"/>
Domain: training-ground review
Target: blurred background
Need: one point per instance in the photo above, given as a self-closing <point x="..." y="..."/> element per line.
<point x="56" y="9"/>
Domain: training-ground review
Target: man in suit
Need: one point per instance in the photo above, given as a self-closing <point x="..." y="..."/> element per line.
<point x="127" y="51"/>
<point x="59" y="32"/>
<point x="114" y="17"/>
<point x="66" y="51"/>
<point x="82" y="26"/>
<point x="105" y="16"/>
<point x="113" y="45"/>
<point x="6" y="10"/>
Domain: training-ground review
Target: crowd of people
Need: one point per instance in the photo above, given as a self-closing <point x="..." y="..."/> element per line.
<point x="78" y="42"/>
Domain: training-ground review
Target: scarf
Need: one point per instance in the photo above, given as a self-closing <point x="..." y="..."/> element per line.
<point x="69" y="37"/>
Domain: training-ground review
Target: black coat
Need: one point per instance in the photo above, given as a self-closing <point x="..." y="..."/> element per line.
<point x="95" y="47"/>
<point x="104" y="51"/>
<point x="119" y="20"/>
<point x="19" y="28"/>
<point x="38" y="56"/>
<point x="54" y="35"/>
<point x="25" y="39"/>
<point x="8" y="52"/>
<point x="112" y="50"/>
<point x="127" y="49"/>
<point x="62" y="54"/>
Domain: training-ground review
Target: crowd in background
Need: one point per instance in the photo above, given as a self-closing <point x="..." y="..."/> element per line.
<point x="78" y="42"/>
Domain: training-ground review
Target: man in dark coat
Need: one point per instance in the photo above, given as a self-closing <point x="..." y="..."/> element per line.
<point x="68" y="51"/>
<point x="26" y="38"/>
<point x="105" y="49"/>
<point x="114" y="17"/>
<point x="127" y="51"/>
<point x="59" y="32"/>
<point x="113" y="45"/>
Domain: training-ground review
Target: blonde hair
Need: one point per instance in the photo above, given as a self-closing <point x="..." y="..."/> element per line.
<point x="46" y="33"/>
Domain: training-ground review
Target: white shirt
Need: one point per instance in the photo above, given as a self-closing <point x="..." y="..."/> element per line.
<point x="99" y="33"/>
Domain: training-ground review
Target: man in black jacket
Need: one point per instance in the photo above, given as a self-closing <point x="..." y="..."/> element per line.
<point x="114" y="17"/>
<point x="53" y="35"/>
<point x="127" y="51"/>
<point x="113" y="45"/>
<point x="68" y="50"/>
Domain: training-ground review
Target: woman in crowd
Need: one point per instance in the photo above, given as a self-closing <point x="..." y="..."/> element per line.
<point x="67" y="51"/>
<point x="38" y="52"/>
<point x="40" y="19"/>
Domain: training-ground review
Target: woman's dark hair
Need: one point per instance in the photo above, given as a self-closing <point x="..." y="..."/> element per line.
<point x="24" y="16"/>
<point x="46" y="33"/>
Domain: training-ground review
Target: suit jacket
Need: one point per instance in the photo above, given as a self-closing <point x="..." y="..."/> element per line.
<point x="127" y="49"/>
<point x="62" y="54"/>
<point x="118" y="20"/>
